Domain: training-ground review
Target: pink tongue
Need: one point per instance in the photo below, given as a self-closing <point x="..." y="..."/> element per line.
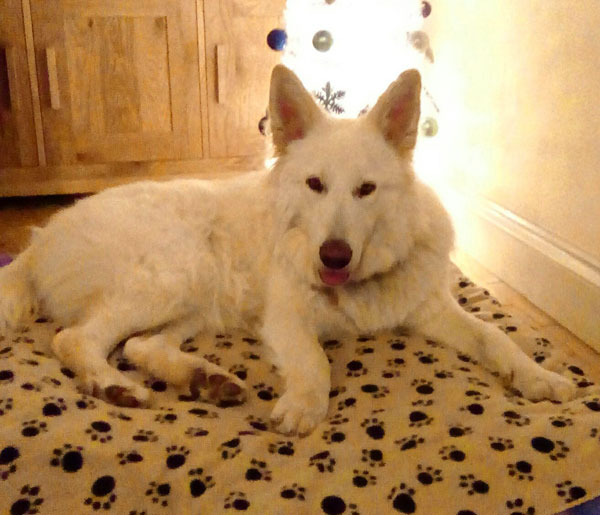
<point x="333" y="277"/>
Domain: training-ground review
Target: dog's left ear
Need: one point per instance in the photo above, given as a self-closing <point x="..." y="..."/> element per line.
<point x="292" y="110"/>
<point x="397" y="111"/>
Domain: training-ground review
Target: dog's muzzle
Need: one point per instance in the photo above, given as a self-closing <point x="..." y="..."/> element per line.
<point x="335" y="255"/>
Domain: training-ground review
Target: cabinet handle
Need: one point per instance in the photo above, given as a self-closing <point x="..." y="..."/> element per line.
<point x="53" y="78"/>
<point x="222" y="61"/>
<point x="13" y="78"/>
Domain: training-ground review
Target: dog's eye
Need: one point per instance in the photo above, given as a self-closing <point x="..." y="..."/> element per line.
<point x="315" y="184"/>
<point x="366" y="188"/>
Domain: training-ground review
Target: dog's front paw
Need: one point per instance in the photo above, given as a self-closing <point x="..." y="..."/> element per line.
<point x="300" y="411"/>
<point x="537" y="383"/>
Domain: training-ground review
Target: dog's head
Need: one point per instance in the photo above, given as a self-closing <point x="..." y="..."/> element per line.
<point x="344" y="188"/>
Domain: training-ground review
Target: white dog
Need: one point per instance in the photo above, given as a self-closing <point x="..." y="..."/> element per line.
<point x="339" y="236"/>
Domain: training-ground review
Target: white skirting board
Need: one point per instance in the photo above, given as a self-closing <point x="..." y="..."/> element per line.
<point x="561" y="280"/>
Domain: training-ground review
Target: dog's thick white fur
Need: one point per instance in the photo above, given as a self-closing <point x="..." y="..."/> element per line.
<point x="339" y="236"/>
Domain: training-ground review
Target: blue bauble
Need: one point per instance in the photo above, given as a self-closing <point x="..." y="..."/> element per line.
<point x="277" y="39"/>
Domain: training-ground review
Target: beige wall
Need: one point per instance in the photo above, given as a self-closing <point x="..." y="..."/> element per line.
<point x="518" y="83"/>
<point x="518" y="86"/>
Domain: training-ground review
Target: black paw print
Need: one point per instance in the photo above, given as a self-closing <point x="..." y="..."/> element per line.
<point x="68" y="457"/>
<point x="333" y="436"/>
<point x="86" y="403"/>
<point x="223" y="343"/>
<point x="474" y="486"/>
<point x="167" y="417"/>
<point x="426" y="359"/>
<point x="33" y="428"/>
<point x="144" y="436"/>
<point x="251" y="341"/>
<point x="322" y="461"/>
<point x="365" y="349"/>
<point x="213" y="358"/>
<point x="350" y="402"/>
<point x="6" y="352"/>
<point x="593" y="405"/>
<point x="53" y="407"/>
<point x="258" y="471"/>
<point x="6" y="376"/>
<point x="517" y="507"/>
<point x="397" y="344"/>
<point x="540" y="356"/>
<point x="374" y="428"/>
<point x="543" y="342"/>
<point x="561" y="422"/>
<point x="29" y="502"/>
<point x="127" y="457"/>
<point x="520" y="470"/>
<point x="513" y="418"/>
<point x="569" y="491"/>
<point x="199" y="482"/>
<point x="293" y="492"/>
<point x="6" y="405"/>
<point x="594" y="432"/>
<point x="236" y="501"/>
<point x="265" y="392"/>
<point x="427" y="475"/>
<point x="250" y="355"/>
<point x="457" y="430"/>
<point x="500" y="444"/>
<point x="466" y="358"/>
<point x="554" y="449"/>
<point x="450" y="452"/>
<point x="8" y="461"/>
<point x="355" y="368"/>
<point x="443" y="374"/>
<point x="240" y="371"/>
<point x="332" y="344"/>
<point x="102" y="493"/>
<point x="363" y="478"/>
<point x="419" y="419"/>
<point x="203" y="413"/>
<point x="388" y="373"/>
<point x="100" y="431"/>
<point x="195" y="432"/>
<point x="159" y="493"/>
<point x="423" y="386"/>
<point x="377" y="392"/>
<point x="176" y="456"/>
<point x="373" y="457"/>
<point x="283" y="448"/>
<point x="32" y="387"/>
<point x="410" y="442"/>
<point x="402" y="499"/>
<point x="396" y="363"/>
<point x="423" y="402"/>
<point x="257" y="423"/>
<point x="230" y="449"/>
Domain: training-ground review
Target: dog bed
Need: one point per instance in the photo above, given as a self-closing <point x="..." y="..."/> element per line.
<point x="413" y="427"/>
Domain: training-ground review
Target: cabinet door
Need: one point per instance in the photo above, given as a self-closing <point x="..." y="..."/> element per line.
<point x="239" y="64"/>
<point x="17" y="132"/>
<point x="119" y="80"/>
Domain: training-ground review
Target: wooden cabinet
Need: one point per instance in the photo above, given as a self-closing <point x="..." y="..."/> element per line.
<point x="99" y="92"/>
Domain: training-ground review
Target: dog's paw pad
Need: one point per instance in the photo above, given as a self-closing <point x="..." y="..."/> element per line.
<point x="121" y="396"/>
<point x="225" y="390"/>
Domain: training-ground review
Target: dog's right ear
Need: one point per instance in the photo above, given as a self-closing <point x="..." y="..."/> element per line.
<point x="292" y="110"/>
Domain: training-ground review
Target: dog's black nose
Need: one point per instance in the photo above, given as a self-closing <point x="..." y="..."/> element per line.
<point x="335" y="254"/>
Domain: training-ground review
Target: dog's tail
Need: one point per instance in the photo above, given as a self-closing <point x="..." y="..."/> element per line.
<point x="17" y="297"/>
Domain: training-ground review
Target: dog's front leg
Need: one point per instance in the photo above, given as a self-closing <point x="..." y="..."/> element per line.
<point x="289" y="333"/>
<point x="443" y="319"/>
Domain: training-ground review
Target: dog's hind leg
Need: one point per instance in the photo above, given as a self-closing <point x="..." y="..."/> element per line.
<point x="160" y="355"/>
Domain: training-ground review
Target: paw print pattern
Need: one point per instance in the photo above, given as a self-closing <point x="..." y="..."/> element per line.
<point x="199" y="482"/>
<point x="521" y="470"/>
<point x="332" y="344"/>
<point x="265" y="392"/>
<point x="374" y="428"/>
<point x="500" y="444"/>
<point x="6" y="405"/>
<point x="410" y="442"/>
<point x="144" y="435"/>
<point x="425" y="359"/>
<point x="452" y="453"/>
<point x="159" y="493"/>
<point x="373" y="457"/>
<point x="166" y="417"/>
<point x="230" y="449"/>
<point x="258" y="471"/>
<point x="350" y="402"/>
<point x="473" y="485"/>
<point x="257" y="423"/>
<point x="402" y="499"/>
<point x="569" y="491"/>
<point x="6" y="353"/>
<point x="355" y="368"/>
<point x="240" y="371"/>
<point x="396" y="363"/>
<point x="419" y="418"/>
<point x="561" y="422"/>
<point x="322" y="461"/>
<point x="195" y="432"/>
<point x="593" y="405"/>
<point x="458" y="430"/>
<point x="100" y="431"/>
<point x="8" y="461"/>
<point x="69" y="458"/>
<point x="103" y="495"/>
<point x="293" y="492"/>
<point x="223" y="343"/>
<point x="33" y="428"/>
<point x="236" y="501"/>
<point x="540" y="356"/>
<point x="213" y="358"/>
<point x="29" y="502"/>
<point x="517" y="507"/>
<point x="363" y="478"/>
<point x="397" y="344"/>
<point x="176" y="456"/>
<point x="127" y="457"/>
<point x="513" y="418"/>
<point x="6" y="377"/>
<point x="443" y="374"/>
<point x="53" y="407"/>
<point x="555" y="450"/>
<point x="86" y="403"/>
<point x="283" y="448"/>
<point x="427" y="475"/>
<point x="389" y="373"/>
<point x="422" y="386"/>
<point x="333" y="436"/>
<point x="375" y="391"/>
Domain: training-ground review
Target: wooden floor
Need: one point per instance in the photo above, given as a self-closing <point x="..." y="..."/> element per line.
<point x="17" y="215"/>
